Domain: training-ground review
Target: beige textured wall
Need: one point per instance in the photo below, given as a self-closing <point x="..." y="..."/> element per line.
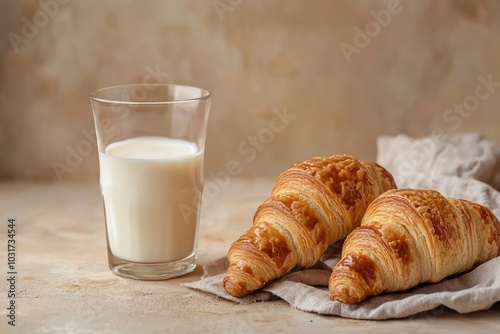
<point x="338" y="88"/>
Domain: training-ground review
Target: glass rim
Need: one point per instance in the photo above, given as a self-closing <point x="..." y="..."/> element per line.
<point x="93" y="96"/>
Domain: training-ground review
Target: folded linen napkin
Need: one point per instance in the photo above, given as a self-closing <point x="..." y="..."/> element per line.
<point x="467" y="156"/>
<point x="453" y="165"/>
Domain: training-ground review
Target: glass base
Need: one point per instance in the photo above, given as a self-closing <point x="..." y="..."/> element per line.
<point x="152" y="271"/>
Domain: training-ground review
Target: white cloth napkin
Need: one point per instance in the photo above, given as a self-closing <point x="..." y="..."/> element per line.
<point x="462" y="166"/>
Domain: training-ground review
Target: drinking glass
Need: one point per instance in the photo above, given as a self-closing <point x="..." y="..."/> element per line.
<point x="151" y="141"/>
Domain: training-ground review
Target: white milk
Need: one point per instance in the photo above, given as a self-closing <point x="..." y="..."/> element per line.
<point x="151" y="189"/>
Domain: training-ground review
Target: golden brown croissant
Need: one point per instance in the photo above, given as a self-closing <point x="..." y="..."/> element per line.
<point x="313" y="204"/>
<point x="410" y="236"/>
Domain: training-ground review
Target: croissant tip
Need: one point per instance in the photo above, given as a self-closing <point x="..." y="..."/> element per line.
<point x="235" y="289"/>
<point x="344" y="298"/>
<point x="346" y="293"/>
<point x="337" y="298"/>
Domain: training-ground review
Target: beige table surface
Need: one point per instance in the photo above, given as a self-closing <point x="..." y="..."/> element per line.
<point x="64" y="284"/>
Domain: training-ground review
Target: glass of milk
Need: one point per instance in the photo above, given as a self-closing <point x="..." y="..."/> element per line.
<point x="151" y="141"/>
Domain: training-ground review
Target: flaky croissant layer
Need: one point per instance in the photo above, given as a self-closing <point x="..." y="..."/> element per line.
<point x="313" y="204"/>
<point x="410" y="236"/>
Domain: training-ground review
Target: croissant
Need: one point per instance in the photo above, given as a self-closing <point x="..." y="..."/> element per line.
<point x="408" y="237"/>
<point x="313" y="204"/>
